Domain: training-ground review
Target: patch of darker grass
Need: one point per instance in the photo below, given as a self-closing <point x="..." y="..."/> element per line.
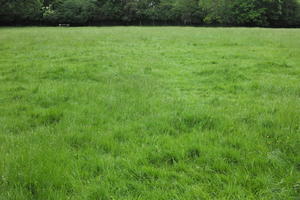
<point x="59" y="73"/>
<point x="225" y="73"/>
<point x="274" y="65"/>
<point x="142" y="175"/>
<point x="185" y="123"/>
<point x="193" y="153"/>
<point x="79" y="141"/>
<point x="231" y="157"/>
<point x="32" y="189"/>
<point x="189" y="121"/>
<point x="163" y="159"/>
<point x="45" y="117"/>
<point x="47" y="101"/>
<point x="99" y="193"/>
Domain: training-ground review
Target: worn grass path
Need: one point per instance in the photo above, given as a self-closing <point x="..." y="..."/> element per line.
<point x="149" y="113"/>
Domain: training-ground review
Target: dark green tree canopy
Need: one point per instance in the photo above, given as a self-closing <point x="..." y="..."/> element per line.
<point x="281" y="13"/>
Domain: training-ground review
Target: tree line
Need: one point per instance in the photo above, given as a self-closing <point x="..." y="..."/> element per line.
<point x="267" y="13"/>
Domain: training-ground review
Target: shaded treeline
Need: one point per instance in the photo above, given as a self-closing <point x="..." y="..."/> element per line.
<point x="275" y="13"/>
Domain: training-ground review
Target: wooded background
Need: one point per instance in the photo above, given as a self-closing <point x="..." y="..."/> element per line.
<point x="267" y="13"/>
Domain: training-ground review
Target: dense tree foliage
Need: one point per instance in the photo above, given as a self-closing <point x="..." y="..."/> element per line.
<point x="197" y="12"/>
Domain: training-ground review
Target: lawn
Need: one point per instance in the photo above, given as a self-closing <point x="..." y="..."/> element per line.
<point x="154" y="113"/>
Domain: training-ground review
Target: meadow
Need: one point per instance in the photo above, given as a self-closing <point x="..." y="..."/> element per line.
<point x="156" y="113"/>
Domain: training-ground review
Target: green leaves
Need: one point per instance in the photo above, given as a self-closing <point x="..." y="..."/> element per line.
<point x="184" y="12"/>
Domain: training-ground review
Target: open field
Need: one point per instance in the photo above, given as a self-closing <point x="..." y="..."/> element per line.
<point x="149" y="113"/>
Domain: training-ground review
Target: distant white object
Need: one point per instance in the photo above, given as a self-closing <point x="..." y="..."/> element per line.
<point x="63" y="25"/>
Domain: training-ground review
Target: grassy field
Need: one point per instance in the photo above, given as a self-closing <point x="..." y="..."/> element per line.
<point x="158" y="113"/>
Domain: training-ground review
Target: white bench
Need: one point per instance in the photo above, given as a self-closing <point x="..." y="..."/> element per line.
<point x="63" y="25"/>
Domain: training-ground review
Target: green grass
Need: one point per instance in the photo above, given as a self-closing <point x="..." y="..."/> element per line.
<point x="149" y="113"/>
